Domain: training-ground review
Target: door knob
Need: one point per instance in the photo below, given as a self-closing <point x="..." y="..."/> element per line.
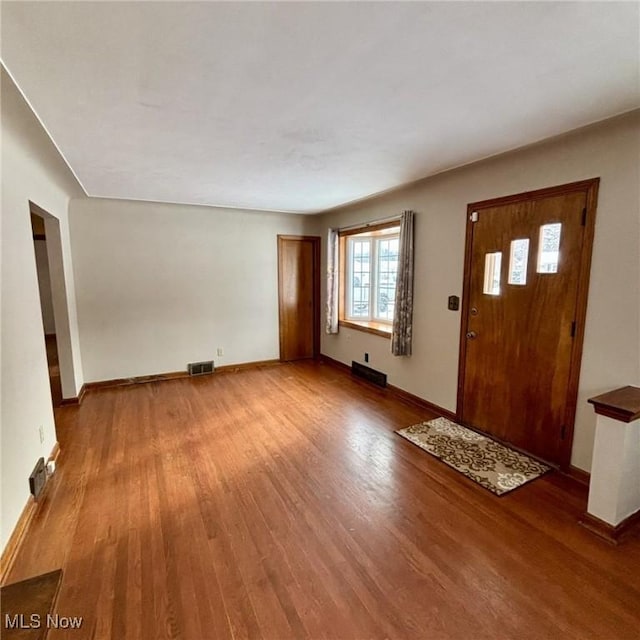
<point x="471" y="335"/>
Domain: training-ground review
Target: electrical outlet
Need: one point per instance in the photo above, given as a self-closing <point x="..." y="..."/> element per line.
<point x="41" y="434"/>
<point x="220" y="351"/>
<point x="366" y="357"/>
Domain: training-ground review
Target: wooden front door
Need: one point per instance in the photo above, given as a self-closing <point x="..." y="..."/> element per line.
<point x="299" y="296"/>
<point x="526" y="281"/>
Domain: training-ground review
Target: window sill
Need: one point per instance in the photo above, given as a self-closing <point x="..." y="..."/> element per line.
<point x="375" y="328"/>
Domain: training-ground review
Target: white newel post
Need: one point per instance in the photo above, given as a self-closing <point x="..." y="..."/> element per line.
<point x="614" y="489"/>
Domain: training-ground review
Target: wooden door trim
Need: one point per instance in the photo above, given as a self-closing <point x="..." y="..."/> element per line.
<point x="581" y="315"/>
<point x="315" y="241"/>
<point x="590" y="187"/>
<point x="538" y="194"/>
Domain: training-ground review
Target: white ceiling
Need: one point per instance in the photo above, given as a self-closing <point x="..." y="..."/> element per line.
<point x="305" y="106"/>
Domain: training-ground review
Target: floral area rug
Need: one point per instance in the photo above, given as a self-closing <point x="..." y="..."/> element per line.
<point x="486" y="461"/>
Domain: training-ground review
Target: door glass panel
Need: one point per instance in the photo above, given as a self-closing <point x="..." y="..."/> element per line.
<point x="518" y="259"/>
<point x="492" y="264"/>
<point x="549" y="252"/>
<point x="360" y="272"/>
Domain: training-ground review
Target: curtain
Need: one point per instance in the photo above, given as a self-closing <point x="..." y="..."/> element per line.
<point x="403" y="314"/>
<point x="333" y="276"/>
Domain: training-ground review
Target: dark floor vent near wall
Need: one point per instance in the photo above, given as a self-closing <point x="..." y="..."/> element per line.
<point x="200" y="368"/>
<point x="37" y="478"/>
<point x="377" y="377"/>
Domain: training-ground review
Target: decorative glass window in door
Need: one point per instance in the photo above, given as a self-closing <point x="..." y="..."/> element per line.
<point x="492" y="265"/>
<point x="519" y="256"/>
<point x="549" y="252"/>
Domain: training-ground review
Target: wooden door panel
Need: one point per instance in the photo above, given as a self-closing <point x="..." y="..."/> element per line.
<point x="298" y="268"/>
<point x="487" y="385"/>
<point x="520" y="342"/>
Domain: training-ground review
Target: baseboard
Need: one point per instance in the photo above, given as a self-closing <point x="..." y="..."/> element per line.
<point x="583" y="477"/>
<point x="10" y="552"/>
<point x="398" y="393"/>
<point x="257" y="364"/>
<point x="176" y="375"/>
<point x="335" y="363"/>
<point x="55" y="452"/>
<point x="16" y="539"/>
<point x="612" y="534"/>
<point x="125" y="382"/>
<point x="66" y="402"/>
<point x="401" y="394"/>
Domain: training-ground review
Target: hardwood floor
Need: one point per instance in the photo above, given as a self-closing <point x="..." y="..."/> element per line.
<point x="278" y="503"/>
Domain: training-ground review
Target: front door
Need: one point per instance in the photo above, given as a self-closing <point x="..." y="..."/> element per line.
<point x="528" y="260"/>
<point x="299" y="296"/>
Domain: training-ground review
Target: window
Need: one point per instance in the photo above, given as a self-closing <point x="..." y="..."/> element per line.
<point x="492" y="265"/>
<point x="369" y="277"/>
<point x="549" y="253"/>
<point x="518" y="259"/>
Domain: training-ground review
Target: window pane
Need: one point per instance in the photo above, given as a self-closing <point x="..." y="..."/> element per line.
<point x="386" y="278"/>
<point x="360" y="278"/>
<point x="492" y="264"/>
<point x="549" y="252"/>
<point x="518" y="261"/>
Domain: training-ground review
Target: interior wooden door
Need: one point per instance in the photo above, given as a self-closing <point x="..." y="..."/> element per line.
<point x="299" y="296"/>
<point x="528" y="263"/>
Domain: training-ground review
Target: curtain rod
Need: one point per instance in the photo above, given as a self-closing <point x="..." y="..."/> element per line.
<point x="369" y="224"/>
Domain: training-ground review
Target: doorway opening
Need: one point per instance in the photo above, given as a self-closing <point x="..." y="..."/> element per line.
<point x="46" y="306"/>
<point x="47" y="243"/>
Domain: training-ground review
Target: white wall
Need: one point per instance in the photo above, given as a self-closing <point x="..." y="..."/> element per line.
<point x="161" y="285"/>
<point x="31" y="170"/>
<point x="44" y="286"/>
<point x="612" y="340"/>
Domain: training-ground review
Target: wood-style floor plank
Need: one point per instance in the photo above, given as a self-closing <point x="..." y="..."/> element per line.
<point x="278" y="503"/>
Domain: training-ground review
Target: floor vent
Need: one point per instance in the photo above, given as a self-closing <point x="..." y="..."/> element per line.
<point x="38" y="478"/>
<point x="369" y="374"/>
<point x="200" y="368"/>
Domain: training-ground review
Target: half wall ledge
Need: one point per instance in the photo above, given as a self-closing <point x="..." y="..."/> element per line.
<point x="613" y="511"/>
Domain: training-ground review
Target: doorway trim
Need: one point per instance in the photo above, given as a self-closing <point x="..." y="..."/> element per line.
<point x="590" y="187"/>
<point x="315" y="241"/>
<point x="68" y="361"/>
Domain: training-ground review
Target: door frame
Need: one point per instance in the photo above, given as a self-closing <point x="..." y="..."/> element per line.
<point x="590" y="187"/>
<point x="315" y="241"/>
<point x="65" y="343"/>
